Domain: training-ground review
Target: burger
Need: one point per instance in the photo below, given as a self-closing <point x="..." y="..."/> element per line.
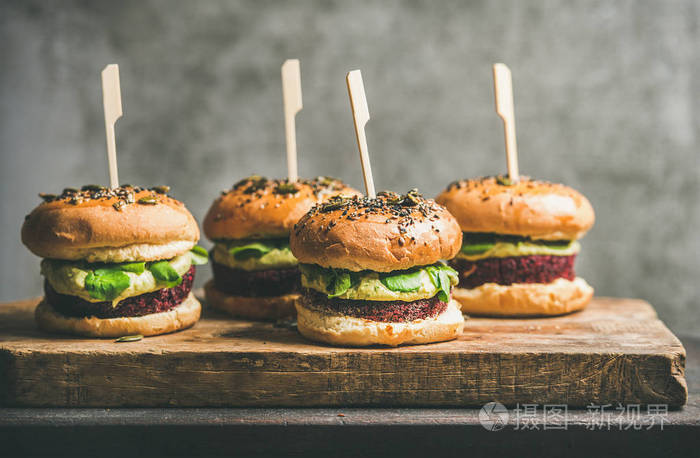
<point x="372" y="271"/>
<point x="520" y="242"/>
<point x="256" y="276"/>
<point x="116" y="261"/>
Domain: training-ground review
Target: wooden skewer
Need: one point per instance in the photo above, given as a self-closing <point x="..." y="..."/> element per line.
<point x="112" y="100"/>
<point x="360" y="114"/>
<point x="503" y="88"/>
<point x="291" y="96"/>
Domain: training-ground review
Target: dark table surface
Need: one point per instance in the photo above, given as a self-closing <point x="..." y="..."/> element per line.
<point x="525" y="430"/>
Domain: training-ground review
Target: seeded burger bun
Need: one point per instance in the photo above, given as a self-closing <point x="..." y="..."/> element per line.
<point x="257" y="207"/>
<point x="375" y="240"/>
<point x="125" y="224"/>
<point x="536" y="209"/>
<point x="77" y="226"/>
<point x="385" y="234"/>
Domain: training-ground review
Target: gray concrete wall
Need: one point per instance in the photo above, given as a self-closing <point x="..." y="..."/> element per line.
<point x="607" y="101"/>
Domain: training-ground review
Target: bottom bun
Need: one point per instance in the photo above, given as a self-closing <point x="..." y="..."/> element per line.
<point x="181" y="317"/>
<point x="359" y="332"/>
<point x="253" y="308"/>
<point x="525" y="299"/>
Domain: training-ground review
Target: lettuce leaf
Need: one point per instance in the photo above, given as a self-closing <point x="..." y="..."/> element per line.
<point x="165" y="273"/>
<point x="134" y="267"/>
<point x="403" y="281"/>
<point x="106" y="284"/>
<point x="257" y="248"/>
<point x="477" y="248"/>
<point x="199" y="255"/>
<point x="441" y="276"/>
<point x="338" y="284"/>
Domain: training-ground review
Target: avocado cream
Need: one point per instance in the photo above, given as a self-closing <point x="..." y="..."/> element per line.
<point x="507" y="249"/>
<point x="370" y="287"/>
<point x="275" y="258"/>
<point x="68" y="277"/>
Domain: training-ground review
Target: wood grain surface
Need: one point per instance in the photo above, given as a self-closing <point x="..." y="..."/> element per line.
<point x="617" y="350"/>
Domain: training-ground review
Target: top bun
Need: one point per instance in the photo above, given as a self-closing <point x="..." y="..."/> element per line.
<point x="387" y="233"/>
<point x="110" y="225"/>
<point x="260" y="208"/>
<point x="535" y="209"/>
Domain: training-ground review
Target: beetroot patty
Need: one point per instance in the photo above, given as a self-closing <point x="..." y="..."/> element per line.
<point x="386" y="311"/>
<point x="145" y="304"/>
<point x="520" y="269"/>
<point x="255" y="283"/>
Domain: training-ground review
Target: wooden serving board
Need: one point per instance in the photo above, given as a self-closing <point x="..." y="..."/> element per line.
<point x="616" y="350"/>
